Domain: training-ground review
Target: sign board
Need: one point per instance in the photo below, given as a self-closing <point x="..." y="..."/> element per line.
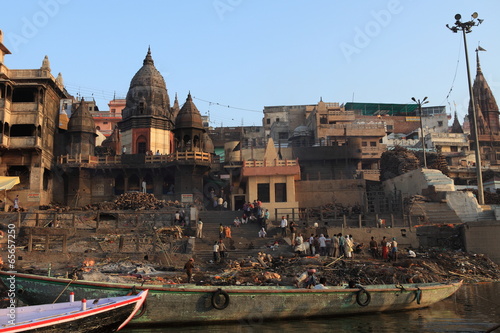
<point x="412" y="118"/>
<point x="33" y="196"/>
<point x="187" y="198"/>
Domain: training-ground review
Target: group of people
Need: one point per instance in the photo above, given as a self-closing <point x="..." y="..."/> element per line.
<point x="254" y="212"/>
<point x="219" y="251"/>
<point x="388" y="249"/>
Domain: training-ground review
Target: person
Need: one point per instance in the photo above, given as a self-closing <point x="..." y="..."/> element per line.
<point x="236" y="221"/>
<point x="124" y="150"/>
<point x="322" y="245"/>
<point x="199" y="229"/>
<point x="321" y="284"/>
<point x="216" y="252"/>
<point x="262" y="233"/>
<point x="312" y="249"/>
<point x="177" y="217"/>
<point x="374" y="248"/>
<point x="335" y="242"/>
<point x="227" y="232"/>
<point x="394" y="249"/>
<point x="348" y="247"/>
<point x="221" y="231"/>
<point x="411" y="254"/>
<point x="189" y="269"/>
<point x="293" y="231"/>
<point x="385" y="249"/>
<point x="220" y="203"/>
<point x="328" y="245"/>
<point x="341" y="245"/>
<point x="266" y="218"/>
<point x="283" y="225"/>
<point x="222" y="250"/>
<point x="158" y="153"/>
<point x="299" y="244"/>
<point x="307" y="279"/>
<point x="244" y="218"/>
<point x="16" y="203"/>
<point x="224" y="205"/>
<point x="143" y="186"/>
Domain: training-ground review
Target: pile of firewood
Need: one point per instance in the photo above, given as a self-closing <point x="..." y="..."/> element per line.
<point x="139" y="201"/>
<point x="397" y="162"/>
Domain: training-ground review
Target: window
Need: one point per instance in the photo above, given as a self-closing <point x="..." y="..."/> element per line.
<point x="277" y="120"/>
<point x="454" y="149"/>
<point x="24" y="95"/>
<point x="440" y="123"/>
<point x="364" y="144"/>
<point x="280" y="192"/>
<point x="283" y="135"/>
<point x="390" y="127"/>
<point x="373" y="143"/>
<point x="263" y="192"/>
<point x="104" y="122"/>
<point x="268" y="121"/>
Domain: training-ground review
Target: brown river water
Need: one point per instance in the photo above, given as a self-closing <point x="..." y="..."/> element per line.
<point x="474" y="308"/>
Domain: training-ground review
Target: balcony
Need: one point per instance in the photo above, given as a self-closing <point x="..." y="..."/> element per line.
<point x="23" y="142"/>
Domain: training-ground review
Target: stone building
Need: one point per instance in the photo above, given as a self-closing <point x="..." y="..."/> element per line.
<point x="30" y="133"/>
<point x="164" y="150"/>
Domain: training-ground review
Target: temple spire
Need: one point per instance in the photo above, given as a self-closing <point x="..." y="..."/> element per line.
<point x="149" y="59"/>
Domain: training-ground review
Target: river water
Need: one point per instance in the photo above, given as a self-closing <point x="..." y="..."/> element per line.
<point x="473" y="308"/>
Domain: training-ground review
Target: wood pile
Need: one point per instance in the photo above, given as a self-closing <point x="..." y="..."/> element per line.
<point x="397" y="162"/>
<point x="139" y="201"/>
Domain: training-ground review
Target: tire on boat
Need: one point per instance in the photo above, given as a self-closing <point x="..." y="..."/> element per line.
<point x="418" y="295"/>
<point x="216" y="299"/>
<point x="359" y="297"/>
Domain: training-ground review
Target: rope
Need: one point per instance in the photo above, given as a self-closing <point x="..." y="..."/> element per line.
<point x="73" y="279"/>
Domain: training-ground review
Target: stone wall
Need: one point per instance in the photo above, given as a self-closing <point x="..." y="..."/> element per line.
<point x="314" y="193"/>
<point x="483" y="237"/>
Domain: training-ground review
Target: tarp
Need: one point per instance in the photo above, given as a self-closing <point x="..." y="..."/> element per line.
<point x="6" y="183"/>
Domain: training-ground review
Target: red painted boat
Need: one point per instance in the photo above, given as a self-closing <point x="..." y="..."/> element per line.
<point x="92" y="316"/>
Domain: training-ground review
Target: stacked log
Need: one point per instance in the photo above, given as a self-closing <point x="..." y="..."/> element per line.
<point x="397" y="162"/>
<point x="139" y="201"/>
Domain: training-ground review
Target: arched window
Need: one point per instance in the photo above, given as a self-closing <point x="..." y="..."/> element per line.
<point x="142" y="145"/>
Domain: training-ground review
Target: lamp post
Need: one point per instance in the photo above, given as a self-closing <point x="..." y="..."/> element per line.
<point x="466" y="27"/>
<point x="422" y="137"/>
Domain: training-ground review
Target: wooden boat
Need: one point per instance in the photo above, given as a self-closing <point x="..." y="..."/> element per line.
<point x="99" y="315"/>
<point x="188" y="304"/>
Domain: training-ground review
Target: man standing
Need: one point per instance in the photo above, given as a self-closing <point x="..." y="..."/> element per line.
<point x="394" y="249"/>
<point x="16" y="203"/>
<point x="293" y="231"/>
<point x="283" y="225"/>
<point x="199" y="229"/>
<point x="222" y="250"/>
<point x="322" y="245"/>
<point x="216" y="252"/>
<point x="374" y="248"/>
<point x="189" y="269"/>
<point x="335" y="245"/>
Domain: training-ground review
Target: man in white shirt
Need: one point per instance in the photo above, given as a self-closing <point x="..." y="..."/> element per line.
<point x="322" y="245"/>
<point x="283" y="225"/>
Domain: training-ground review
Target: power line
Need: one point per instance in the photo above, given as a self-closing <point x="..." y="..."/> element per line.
<point x="226" y="106"/>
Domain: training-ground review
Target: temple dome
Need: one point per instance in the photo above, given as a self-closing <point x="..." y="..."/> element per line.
<point x="189" y="116"/>
<point x="147" y="94"/>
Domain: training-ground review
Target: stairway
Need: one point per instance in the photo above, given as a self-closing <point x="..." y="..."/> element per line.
<point x="241" y="237"/>
<point x="435" y="212"/>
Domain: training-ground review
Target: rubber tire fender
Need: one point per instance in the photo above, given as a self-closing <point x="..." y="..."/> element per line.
<point x="359" y="294"/>
<point x="215" y="297"/>
<point x="418" y="295"/>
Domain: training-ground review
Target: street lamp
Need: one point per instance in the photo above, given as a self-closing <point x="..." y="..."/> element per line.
<point x="466" y="27"/>
<point x="420" y="103"/>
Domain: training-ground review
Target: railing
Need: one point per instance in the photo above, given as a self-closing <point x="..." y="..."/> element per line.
<point x="273" y="163"/>
<point x="177" y="156"/>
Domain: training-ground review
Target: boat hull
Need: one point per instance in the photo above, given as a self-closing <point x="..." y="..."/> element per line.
<point x="193" y="304"/>
<point x="105" y="315"/>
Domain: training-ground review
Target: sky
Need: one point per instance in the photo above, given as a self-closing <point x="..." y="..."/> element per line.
<point x="237" y="56"/>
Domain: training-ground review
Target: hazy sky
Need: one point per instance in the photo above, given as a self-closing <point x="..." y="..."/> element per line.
<point x="254" y="53"/>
